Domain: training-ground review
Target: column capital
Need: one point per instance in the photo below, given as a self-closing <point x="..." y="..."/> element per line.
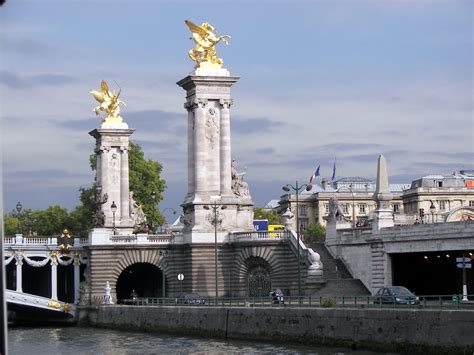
<point x="124" y="149"/>
<point x="226" y="103"/>
<point x="18" y="258"/>
<point x="103" y="149"/>
<point x="196" y="103"/>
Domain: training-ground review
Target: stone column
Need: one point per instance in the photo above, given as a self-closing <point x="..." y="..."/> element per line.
<point x="19" y="270"/>
<point x="77" y="277"/>
<point x="124" y="186"/>
<point x="54" y="277"/>
<point x="200" y="148"/>
<point x="225" y="148"/>
<point x="189" y="107"/>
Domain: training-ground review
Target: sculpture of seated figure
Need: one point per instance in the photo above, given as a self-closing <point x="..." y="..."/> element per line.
<point x="239" y="186"/>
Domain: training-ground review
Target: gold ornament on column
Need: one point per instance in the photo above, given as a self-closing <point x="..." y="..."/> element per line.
<point x="206" y="38"/>
<point x="109" y="103"/>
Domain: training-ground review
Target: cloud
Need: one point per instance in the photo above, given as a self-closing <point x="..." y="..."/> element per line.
<point x="15" y="81"/>
<point x="26" y="46"/>
<point x="255" y="125"/>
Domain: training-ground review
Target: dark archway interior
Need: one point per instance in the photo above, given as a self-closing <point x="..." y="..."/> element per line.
<point x="37" y="280"/>
<point x="259" y="282"/>
<point x="66" y="283"/>
<point x="433" y="273"/>
<point x="145" y="279"/>
<point x="10" y="271"/>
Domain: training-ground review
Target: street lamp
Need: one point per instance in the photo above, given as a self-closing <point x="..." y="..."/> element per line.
<point x="215" y="207"/>
<point x="297" y="189"/>
<point x="114" y="209"/>
<point x="432" y="211"/>
<point x="18" y="207"/>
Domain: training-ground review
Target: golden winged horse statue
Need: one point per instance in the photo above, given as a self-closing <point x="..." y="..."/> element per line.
<point x="206" y="38"/>
<point x="109" y="103"/>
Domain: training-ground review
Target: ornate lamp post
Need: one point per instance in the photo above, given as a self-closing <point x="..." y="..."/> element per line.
<point x="215" y="207"/>
<point x="114" y="209"/>
<point x="18" y="207"/>
<point x="432" y="211"/>
<point x="297" y="189"/>
<point x="153" y="196"/>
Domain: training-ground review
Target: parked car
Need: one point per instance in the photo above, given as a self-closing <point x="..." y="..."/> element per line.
<point x="193" y="298"/>
<point x="277" y="297"/>
<point x="395" y="295"/>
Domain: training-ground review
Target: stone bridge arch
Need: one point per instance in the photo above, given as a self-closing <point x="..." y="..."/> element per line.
<point x="130" y="258"/>
<point x="277" y="260"/>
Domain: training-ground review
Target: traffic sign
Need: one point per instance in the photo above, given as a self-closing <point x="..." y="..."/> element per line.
<point x="180" y="277"/>
<point x="464" y="265"/>
<point x="461" y="260"/>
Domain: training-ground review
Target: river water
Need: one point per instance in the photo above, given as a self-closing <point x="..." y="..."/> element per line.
<point x="77" y="340"/>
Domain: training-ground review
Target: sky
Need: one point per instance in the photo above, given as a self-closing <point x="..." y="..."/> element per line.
<point x="319" y="80"/>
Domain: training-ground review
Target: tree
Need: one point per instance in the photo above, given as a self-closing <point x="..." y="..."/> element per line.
<point x="272" y="216"/>
<point x="51" y="221"/>
<point x="11" y="225"/>
<point x="315" y="232"/>
<point x="144" y="177"/>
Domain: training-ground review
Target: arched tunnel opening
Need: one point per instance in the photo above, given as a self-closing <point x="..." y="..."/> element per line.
<point x="432" y="273"/>
<point x="143" y="278"/>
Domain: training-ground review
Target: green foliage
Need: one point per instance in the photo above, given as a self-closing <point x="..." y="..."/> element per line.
<point x="10" y="224"/>
<point x="315" y="232"/>
<point x="329" y="303"/>
<point x="51" y="221"/>
<point x="272" y="216"/>
<point x="81" y="216"/>
<point x="144" y="179"/>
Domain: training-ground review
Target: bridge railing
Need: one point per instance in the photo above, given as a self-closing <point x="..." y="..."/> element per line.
<point x="441" y="302"/>
<point x="21" y="240"/>
<point x="162" y="238"/>
<point x="259" y="235"/>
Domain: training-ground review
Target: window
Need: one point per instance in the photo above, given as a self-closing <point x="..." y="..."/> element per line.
<point x="362" y="208"/>
<point x="440" y="184"/>
<point x="442" y="205"/>
<point x="396" y="207"/>
<point x="345" y="208"/>
<point x="471" y="203"/>
<point x="303" y="210"/>
<point x="326" y="208"/>
<point x="303" y="224"/>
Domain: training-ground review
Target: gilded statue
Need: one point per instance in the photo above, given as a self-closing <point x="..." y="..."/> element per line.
<point x="206" y="38"/>
<point x="109" y="103"/>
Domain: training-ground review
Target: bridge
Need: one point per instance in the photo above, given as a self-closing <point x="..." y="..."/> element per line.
<point x="421" y="257"/>
<point x="29" y="300"/>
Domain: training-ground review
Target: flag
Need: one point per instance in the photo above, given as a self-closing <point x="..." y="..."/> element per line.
<point x="316" y="173"/>
<point x="334" y="170"/>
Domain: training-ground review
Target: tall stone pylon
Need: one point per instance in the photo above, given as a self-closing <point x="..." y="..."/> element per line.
<point x="383" y="214"/>
<point x="112" y="168"/>
<point x="212" y="177"/>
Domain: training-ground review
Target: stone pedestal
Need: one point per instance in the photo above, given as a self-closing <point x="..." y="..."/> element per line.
<point x="208" y="102"/>
<point x="112" y="141"/>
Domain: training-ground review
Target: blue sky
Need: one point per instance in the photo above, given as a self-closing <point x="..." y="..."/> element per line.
<point x="319" y="79"/>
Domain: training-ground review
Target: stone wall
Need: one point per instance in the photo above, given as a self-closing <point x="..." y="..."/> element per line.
<point x="197" y="263"/>
<point x="428" y="331"/>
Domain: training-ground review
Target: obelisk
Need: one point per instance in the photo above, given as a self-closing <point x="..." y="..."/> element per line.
<point x="212" y="185"/>
<point x="383" y="215"/>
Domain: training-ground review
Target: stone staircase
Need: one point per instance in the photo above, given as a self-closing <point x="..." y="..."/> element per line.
<point x="338" y="280"/>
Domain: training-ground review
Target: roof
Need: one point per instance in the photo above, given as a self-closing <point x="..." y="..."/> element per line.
<point x="272" y="204"/>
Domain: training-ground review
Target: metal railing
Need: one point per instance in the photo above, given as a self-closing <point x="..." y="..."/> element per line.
<point x="440" y="302"/>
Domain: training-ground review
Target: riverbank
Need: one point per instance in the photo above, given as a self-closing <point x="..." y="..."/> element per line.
<point x="420" y="330"/>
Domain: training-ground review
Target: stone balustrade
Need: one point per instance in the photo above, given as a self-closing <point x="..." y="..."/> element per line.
<point x="20" y="240"/>
<point x="262" y="235"/>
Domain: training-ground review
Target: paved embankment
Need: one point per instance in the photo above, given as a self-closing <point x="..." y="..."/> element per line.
<point x="383" y="329"/>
